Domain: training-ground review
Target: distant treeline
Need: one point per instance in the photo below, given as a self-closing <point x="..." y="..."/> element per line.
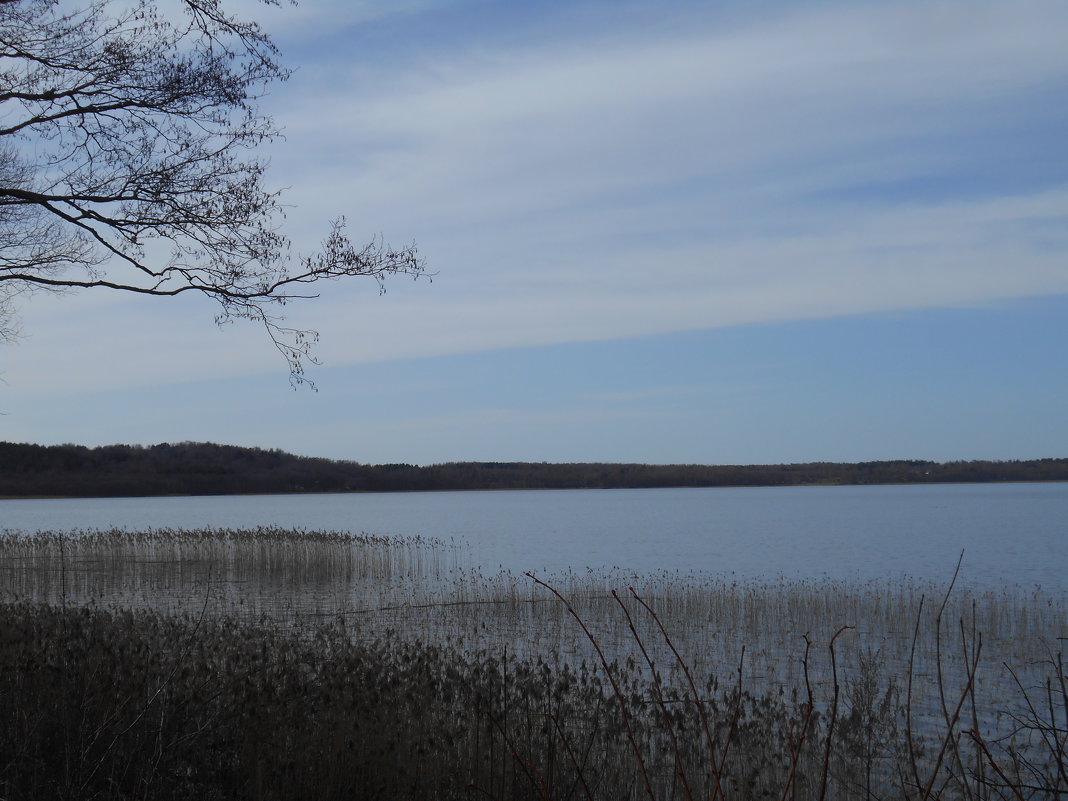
<point x="192" y="468"/>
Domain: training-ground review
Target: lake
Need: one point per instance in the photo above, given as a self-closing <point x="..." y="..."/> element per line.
<point x="751" y="586"/>
<point x="1011" y="533"/>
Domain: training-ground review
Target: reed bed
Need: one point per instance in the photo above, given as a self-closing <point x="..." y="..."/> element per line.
<point x="423" y="589"/>
<point x="272" y="572"/>
<point x="292" y="664"/>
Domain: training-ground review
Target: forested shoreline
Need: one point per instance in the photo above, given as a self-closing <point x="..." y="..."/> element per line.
<point x="191" y="468"/>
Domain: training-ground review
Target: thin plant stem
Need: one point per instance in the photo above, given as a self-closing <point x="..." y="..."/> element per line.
<point x="798" y="745"/>
<point x="571" y="755"/>
<point x="611" y="678"/>
<point x="717" y="789"/>
<point x="528" y="765"/>
<point x="834" y="714"/>
<point x="913" y="761"/>
<point x="658" y="694"/>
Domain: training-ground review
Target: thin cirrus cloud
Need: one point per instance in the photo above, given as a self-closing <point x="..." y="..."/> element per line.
<point x="671" y="168"/>
<point x="574" y="123"/>
<point x="818" y="162"/>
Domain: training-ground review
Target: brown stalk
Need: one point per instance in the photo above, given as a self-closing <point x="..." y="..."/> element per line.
<point x="529" y="766"/>
<point x="1062" y="735"/>
<point x="949" y="742"/>
<point x="658" y="694"/>
<point x="980" y="744"/>
<point x="974" y="709"/>
<point x="798" y="745"/>
<point x="479" y="789"/>
<point x="571" y="755"/>
<point x="1048" y="732"/>
<point x="717" y="789"/>
<point x="735" y="714"/>
<point x="834" y="714"/>
<point x="959" y="773"/>
<point x="611" y="678"/>
<point x="913" y="763"/>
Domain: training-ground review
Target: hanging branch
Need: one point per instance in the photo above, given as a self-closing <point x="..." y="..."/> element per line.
<point x="127" y="163"/>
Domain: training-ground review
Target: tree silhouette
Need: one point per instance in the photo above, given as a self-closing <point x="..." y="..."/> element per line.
<point x="128" y="136"/>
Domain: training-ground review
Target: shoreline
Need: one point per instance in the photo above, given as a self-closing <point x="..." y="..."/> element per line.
<point x="813" y="485"/>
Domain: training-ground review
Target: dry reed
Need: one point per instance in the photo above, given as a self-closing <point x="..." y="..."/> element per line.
<point x="282" y="664"/>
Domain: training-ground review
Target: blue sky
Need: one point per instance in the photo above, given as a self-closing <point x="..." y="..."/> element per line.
<point x="663" y="232"/>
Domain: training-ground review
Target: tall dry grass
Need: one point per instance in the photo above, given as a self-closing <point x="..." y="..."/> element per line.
<point x="157" y="665"/>
<point x="265" y="571"/>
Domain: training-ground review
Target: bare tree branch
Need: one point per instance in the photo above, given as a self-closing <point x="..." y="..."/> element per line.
<point x="123" y="127"/>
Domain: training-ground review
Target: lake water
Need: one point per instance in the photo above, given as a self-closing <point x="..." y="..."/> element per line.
<point x="1013" y="534"/>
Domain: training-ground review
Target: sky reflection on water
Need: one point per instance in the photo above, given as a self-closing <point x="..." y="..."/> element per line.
<point x="1011" y="533"/>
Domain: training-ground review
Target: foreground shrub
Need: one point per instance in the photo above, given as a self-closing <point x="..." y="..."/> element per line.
<point x="152" y="702"/>
<point x="98" y="704"/>
<point x="121" y="705"/>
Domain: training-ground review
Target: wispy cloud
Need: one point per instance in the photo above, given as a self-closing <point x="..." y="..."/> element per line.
<point x="622" y="185"/>
<point x="590" y="183"/>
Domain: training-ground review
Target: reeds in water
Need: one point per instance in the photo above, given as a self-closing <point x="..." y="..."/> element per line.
<point x="264" y="571"/>
<point x="156" y="664"/>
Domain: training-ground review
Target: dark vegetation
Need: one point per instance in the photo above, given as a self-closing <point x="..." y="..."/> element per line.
<point x="117" y="705"/>
<point x="190" y="468"/>
<point x="130" y="701"/>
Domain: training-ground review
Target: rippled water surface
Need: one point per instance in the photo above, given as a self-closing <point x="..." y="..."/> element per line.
<point x="1011" y="533"/>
